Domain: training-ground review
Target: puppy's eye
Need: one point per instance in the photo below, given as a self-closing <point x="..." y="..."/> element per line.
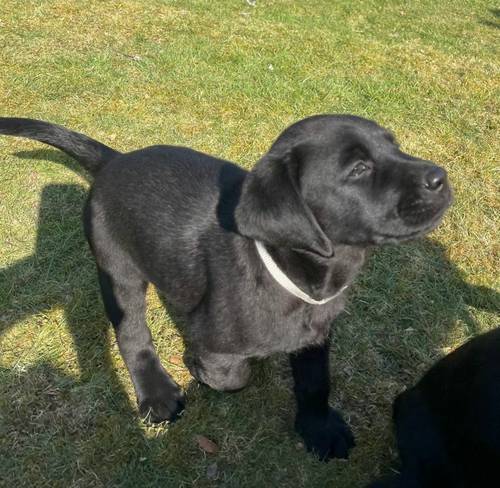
<point x="359" y="169"/>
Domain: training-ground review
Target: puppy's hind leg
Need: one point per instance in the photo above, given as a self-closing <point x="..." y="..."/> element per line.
<point x="158" y="396"/>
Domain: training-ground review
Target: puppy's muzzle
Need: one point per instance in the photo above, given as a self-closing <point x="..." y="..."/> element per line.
<point x="429" y="198"/>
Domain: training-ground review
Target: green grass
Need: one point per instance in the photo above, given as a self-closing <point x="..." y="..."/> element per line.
<point x="225" y="77"/>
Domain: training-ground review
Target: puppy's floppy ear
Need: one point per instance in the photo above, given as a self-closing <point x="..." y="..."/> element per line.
<point x="271" y="208"/>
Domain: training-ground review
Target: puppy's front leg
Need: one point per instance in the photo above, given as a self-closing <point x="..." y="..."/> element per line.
<point x="158" y="396"/>
<point x="322" y="428"/>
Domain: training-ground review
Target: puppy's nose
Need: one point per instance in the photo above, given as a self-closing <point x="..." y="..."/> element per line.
<point x="434" y="178"/>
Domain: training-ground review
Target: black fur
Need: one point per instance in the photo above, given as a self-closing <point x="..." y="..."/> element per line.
<point x="89" y="153"/>
<point x="448" y="425"/>
<point x="328" y="188"/>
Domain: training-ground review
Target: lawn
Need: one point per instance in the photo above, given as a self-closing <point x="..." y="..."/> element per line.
<point x="227" y="77"/>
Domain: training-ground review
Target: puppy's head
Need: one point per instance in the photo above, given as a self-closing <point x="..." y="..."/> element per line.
<point x="339" y="179"/>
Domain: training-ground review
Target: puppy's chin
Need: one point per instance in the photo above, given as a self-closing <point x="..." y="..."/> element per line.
<point x="414" y="220"/>
<point x="420" y="211"/>
<point x="409" y="232"/>
<point x="396" y="233"/>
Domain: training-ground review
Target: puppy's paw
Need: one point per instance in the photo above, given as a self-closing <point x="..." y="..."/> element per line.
<point x="165" y="403"/>
<point x="327" y="436"/>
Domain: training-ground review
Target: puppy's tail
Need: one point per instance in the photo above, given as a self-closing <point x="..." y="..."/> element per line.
<point x="92" y="155"/>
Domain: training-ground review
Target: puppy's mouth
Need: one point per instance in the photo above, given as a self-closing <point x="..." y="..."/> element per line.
<point x="420" y="213"/>
<point x="418" y="218"/>
<point x="407" y="236"/>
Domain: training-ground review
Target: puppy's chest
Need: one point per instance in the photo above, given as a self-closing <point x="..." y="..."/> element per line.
<point x="315" y="323"/>
<point x="311" y="324"/>
<point x="305" y="325"/>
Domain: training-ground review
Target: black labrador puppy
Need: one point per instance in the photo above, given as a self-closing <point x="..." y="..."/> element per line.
<point x="257" y="262"/>
<point x="448" y="425"/>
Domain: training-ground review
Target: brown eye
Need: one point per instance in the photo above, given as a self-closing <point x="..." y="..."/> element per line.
<point x="359" y="169"/>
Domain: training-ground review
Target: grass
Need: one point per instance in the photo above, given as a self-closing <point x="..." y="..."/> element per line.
<point x="226" y="77"/>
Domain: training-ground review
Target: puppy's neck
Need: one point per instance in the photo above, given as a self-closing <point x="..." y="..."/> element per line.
<point x="318" y="276"/>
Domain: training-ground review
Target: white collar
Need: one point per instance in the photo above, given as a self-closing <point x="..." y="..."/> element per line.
<point x="285" y="281"/>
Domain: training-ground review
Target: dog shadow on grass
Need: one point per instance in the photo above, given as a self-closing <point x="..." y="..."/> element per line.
<point x="83" y="429"/>
<point x="493" y="21"/>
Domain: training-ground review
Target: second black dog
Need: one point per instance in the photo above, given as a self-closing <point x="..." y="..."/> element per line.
<point x="448" y="425"/>
<point x="257" y="262"/>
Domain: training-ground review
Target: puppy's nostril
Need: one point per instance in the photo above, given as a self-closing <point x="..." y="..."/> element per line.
<point x="435" y="178"/>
